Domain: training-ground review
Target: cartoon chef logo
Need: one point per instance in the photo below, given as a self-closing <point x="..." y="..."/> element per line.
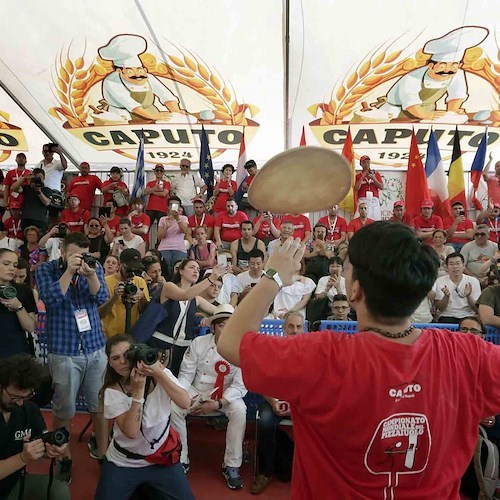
<point x="401" y="444"/>
<point x="128" y="92"/>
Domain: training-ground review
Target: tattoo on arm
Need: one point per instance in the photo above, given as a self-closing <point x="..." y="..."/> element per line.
<point x="138" y="415"/>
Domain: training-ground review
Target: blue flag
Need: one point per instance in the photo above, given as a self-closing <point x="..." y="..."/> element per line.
<point x="206" y="167"/>
<point x="138" y="189"/>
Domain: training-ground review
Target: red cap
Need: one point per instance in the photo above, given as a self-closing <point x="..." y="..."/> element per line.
<point x="496" y="205"/>
<point x="363" y="158"/>
<point x="199" y="199"/>
<point x="399" y="203"/>
<point x="427" y="204"/>
<point x="14" y="203"/>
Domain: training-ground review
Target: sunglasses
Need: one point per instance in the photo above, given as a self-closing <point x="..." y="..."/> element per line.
<point x="480" y="234"/>
<point x="159" y="170"/>
<point x="94" y="225"/>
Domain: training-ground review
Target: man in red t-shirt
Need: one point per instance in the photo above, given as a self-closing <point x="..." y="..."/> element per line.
<point x="201" y="218"/>
<point x="115" y="184"/>
<point x="367" y="186"/>
<point x="12" y="176"/>
<point x="158" y="191"/>
<point x="13" y="224"/>
<point x="336" y="230"/>
<point x="426" y="223"/>
<point x="266" y="227"/>
<point x="301" y="224"/>
<point x="228" y="225"/>
<point x="399" y="214"/>
<point x="140" y="221"/>
<point x="491" y="217"/>
<point x="84" y="186"/>
<point x="74" y="216"/>
<point x="251" y="168"/>
<point x="405" y="399"/>
<point x="356" y="224"/>
<point x="110" y="223"/>
<point x="459" y="229"/>
<point x="493" y="181"/>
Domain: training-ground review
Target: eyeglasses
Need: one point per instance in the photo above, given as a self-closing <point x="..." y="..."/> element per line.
<point x="464" y="329"/>
<point x="340" y="308"/>
<point x="480" y="234"/>
<point x="159" y="170"/>
<point x="14" y="398"/>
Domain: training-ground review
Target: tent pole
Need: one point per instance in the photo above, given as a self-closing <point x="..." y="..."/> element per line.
<point x="286" y="82"/>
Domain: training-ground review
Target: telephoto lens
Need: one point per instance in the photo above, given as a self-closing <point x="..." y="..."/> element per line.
<point x="142" y="352"/>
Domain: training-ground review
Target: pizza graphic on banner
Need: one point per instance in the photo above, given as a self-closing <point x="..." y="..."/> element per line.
<point x="11" y="137"/>
<point x="127" y="91"/>
<point x="401" y="444"/>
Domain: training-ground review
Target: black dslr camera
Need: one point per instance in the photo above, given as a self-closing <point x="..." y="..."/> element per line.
<point x="63" y="230"/>
<point x="37" y="182"/>
<point x="57" y="437"/>
<point x="89" y="259"/>
<point x="130" y="288"/>
<point x="53" y="145"/>
<point x="8" y="292"/>
<point x="141" y="352"/>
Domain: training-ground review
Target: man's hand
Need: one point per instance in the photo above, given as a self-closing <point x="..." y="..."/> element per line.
<point x="86" y="270"/>
<point x="446" y="291"/>
<point x="74" y="262"/>
<point x="32" y="450"/>
<point x="164" y="116"/>
<point x="286" y="260"/>
<point x="206" y="407"/>
<point x="333" y="281"/>
<point x="119" y="289"/>
<point x="467" y="289"/>
<point x="53" y="451"/>
<point x="137" y="297"/>
<point x="278" y="411"/>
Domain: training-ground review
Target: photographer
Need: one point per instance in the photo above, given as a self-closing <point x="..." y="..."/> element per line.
<point x="36" y="199"/>
<point x="52" y="240"/>
<point x="72" y="288"/>
<point x="52" y="168"/>
<point x="126" y="287"/>
<point x="23" y="433"/>
<point x="138" y="392"/>
<point x="17" y="308"/>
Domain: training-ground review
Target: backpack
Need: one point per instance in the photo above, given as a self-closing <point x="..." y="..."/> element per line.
<point x="486" y="462"/>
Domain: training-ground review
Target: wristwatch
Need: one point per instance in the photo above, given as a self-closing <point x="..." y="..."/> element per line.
<point x="140" y="401"/>
<point x="17" y="309"/>
<point x="273" y="275"/>
<point x="219" y="402"/>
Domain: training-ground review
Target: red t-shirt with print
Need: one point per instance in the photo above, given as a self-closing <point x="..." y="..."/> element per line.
<point x="122" y="211"/>
<point x="265" y="228"/>
<point x="230" y="227"/>
<point x="300" y="223"/>
<point x="155" y="202"/>
<point x="334" y="228"/>
<point x="84" y="186"/>
<point x="75" y="220"/>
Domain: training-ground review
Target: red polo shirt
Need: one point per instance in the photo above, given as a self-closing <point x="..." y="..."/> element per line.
<point x="155" y="202"/>
<point x="427" y="225"/>
<point x="461" y="228"/>
<point x="368" y="185"/>
<point x="139" y="221"/>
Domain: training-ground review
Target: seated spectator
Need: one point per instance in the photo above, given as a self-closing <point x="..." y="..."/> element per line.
<point x="51" y="242"/>
<point x="31" y="250"/>
<point x="140" y="221"/>
<point x="21" y="434"/>
<point x="247" y="279"/>
<point x="111" y="265"/>
<point x="109" y="220"/>
<point x="242" y="247"/>
<point x="474" y="325"/>
<point x="286" y="230"/>
<point x="438" y="242"/>
<point x="172" y="229"/>
<point x="272" y="442"/>
<point x="229" y="293"/>
<point x="113" y="311"/>
<point x="13" y="223"/>
<point x="99" y="242"/>
<point x="426" y="223"/>
<point x="75" y="217"/>
<point x="224" y="189"/>
<point x="218" y="387"/>
<point x="294" y="298"/>
<point x="334" y="283"/>
<point x="153" y="276"/>
<point x="158" y="191"/>
<point x="399" y="214"/>
<point x="457" y="293"/>
<point x="425" y="311"/>
<point x="266" y="227"/>
<point x="317" y="254"/>
<point x="153" y="252"/>
<point x="127" y="239"/>
<point x="251" y="168"/>
<point x="476" y="253"/>
<point x="114" y="189"/>
<point x="228" y="225"/>
<point x="489" y="306"/>
<point x="336" y="231"/>
<point x="301" y="226"/>
<point x="139" y="398"/>
<point x="458" y="227"/>
<point x="491" y="217"/>
<point x="340" y="308"/>
<point x="357" y="223"/>
<point x="204" y="251"/>
<point x="84" y="186"/>
<point x="201" y="218"/>
<point x="6" y="242"/>
<point x="210" y="294"/>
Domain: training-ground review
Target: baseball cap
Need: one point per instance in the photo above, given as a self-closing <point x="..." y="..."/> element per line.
<point x="496" y="205"/>
<point x="363" y="158"/>
<point x="159" y="166"/>
<point x="131" y="258"/>
<point x="74" y="195"/>
<point x="199" y="199"/>
<point x="399" y="203"/>
<point x="427" y="204"/>
<point x="14" y="203"/>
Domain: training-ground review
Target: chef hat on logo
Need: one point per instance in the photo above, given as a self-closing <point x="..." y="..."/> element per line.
<point x="452" y="46"/>
<point x="124" y="50"/>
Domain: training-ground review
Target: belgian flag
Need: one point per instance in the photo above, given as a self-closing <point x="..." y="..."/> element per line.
<point x="456" y="182"/>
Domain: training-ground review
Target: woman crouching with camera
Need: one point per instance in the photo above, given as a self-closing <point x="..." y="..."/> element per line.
<point x="138" y="391"/>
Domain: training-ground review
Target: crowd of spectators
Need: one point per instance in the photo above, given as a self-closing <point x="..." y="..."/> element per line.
<point x="94" y="271"/>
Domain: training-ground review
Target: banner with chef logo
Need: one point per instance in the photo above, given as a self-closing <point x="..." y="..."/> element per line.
<point x="404" y="70"/>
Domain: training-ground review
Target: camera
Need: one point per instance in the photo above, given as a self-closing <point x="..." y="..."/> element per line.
<point x="461" y="212"/>
<point x="8" y="292"/>
<point x="53" y="145"/>
<point x="141" y="352"/>
<point x="57" y="437"/>
<point x="90" y="260"/>
<point x="63" y="230"/>
<point x="37" y="182"/>
<point x="130" y="288"/>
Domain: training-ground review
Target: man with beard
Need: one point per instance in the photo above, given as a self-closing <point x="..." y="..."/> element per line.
<point x="84" y="186"/>
<point x="12" y="176"/>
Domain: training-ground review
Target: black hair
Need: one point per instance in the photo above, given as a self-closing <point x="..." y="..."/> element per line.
<point x="174" y="198"/>
<point x="113" y="202"/>
<point x="248" y="223"/>
<point x="338" y="297"/>
<point x="453" y="255"/>
<point x="38" y="170"/>
<point x="148" y="261"/>
<point x="255" y="253"/>
<point x="76" y="238"/>
<point x="23" y="372"/>
<point x="126" y="221"/>
<point x="335" y="260"/>
<point x="477" y="319"/>
<point x="394" y="269"/>
<point x="177" y="275"/>
<point x="110" y="375"/>
<point x="320" y="224"/>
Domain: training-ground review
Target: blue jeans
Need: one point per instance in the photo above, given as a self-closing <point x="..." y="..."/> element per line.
<point x="172" y="256"/>
<point x="169" y="482"/>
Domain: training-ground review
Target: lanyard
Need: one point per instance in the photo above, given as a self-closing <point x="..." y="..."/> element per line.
<point x="196" y="221"/>
<point x="18" y="175"/>
<point x="332" y="226"/>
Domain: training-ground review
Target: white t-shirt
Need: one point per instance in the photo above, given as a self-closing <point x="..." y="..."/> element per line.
<point x="475" y="256"/>
<point x="53" y="247"/>
<point x="422" y="313"/>
<point x="321" y="287"/>
<point x="291" y="295"/>
<point x="244" y="279"/>
<point x="229" y="286"/>
<point x="458" y="305"/>
<point x="154" y="420"/>
<point x="54" y="172"/>
<point x="10" y="243"/>
<point x="133" y="243"/>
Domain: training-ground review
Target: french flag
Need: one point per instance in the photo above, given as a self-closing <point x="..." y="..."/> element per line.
<point x="436" y="178"/>
<point x="479" y="191"/>
<point x="241" y="173"/>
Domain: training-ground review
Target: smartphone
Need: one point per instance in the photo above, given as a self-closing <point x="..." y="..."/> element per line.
<point x="122" y="242"/>
<point x="222" y="259"/>
<point x="105" y="211"/>
<point x="174" y="206"/>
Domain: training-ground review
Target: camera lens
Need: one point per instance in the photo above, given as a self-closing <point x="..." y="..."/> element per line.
<point x="8" y="292"/>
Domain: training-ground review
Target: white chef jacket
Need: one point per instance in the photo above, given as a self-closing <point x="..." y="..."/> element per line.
<point x="197" y="373"/>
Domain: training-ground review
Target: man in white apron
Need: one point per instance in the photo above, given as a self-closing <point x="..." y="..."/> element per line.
<point x="367" y="186"/>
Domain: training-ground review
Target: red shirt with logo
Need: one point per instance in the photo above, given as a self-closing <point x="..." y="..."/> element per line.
<point x="420" y="223"/>
<point x="301" y="224"/>
<point x="114" y="225"/>
<point x="494" y="189"/>
<point x="265" y="228"/>
<point x="75" y="220"/>
<point x="334" y="228"/>
<point x="13" y="228"/>
<point x="12" y="176"/>
<point x="223" y="196"/>
<point x="230" y="227"/>
<point x="109" y="196"/>
<point x="494" y="226"/>
<point x="195" y="221"/>
<point x="156" y="202"/>
<point x="407" y="219"/>
<point x="461" y="228"/>
<point x="84" y="187"/>
<point x="373" y="418"/>
<point x="356" y="224"/>
<point x="368" y="185"/>
<point x="139" y="221"/>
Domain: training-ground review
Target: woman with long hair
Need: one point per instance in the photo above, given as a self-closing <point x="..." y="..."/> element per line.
<point x="99" y="242"/>
<point x="31" y="250"/>
<point x="127" y="239"/>
<point x="138" y="397"/>
<point x="181" y="297"/>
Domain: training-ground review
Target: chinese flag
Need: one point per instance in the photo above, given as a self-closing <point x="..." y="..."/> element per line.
<point x="416" y="180"/>
<point x="348" y="204"/>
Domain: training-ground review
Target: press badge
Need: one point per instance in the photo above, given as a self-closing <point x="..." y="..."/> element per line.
<point x="82" y="320"/>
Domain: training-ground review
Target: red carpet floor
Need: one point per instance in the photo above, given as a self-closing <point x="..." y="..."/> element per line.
<point x="206" y="447"/>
